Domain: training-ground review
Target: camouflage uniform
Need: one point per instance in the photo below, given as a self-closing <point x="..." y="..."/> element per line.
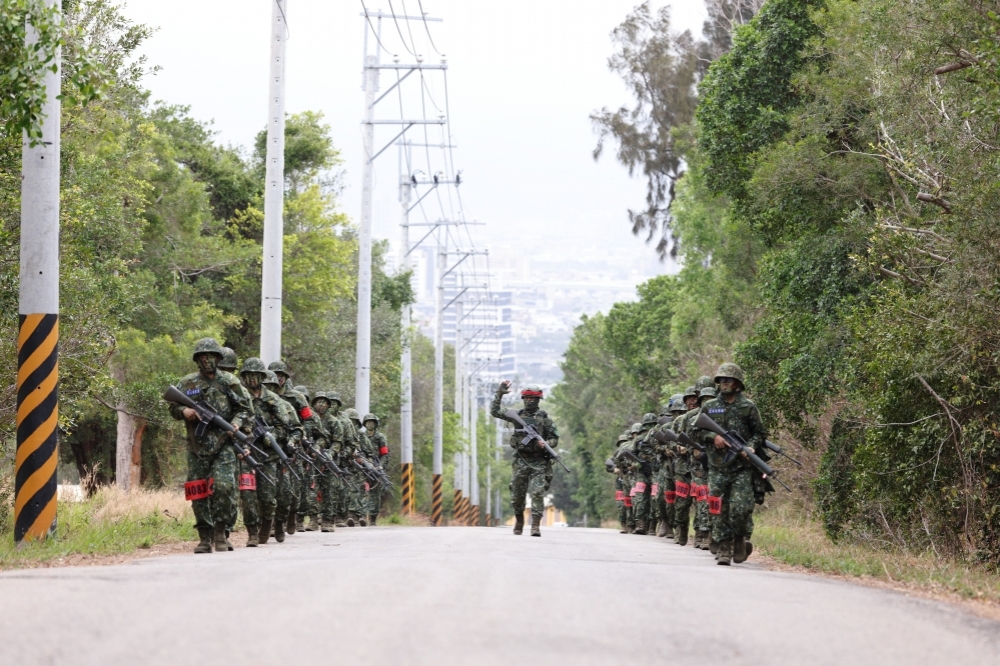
<point x="643" y="446"/>
<point x="290" y="495"/>
<point x="331" y="444"/>
<point x="348" y="450"/>
<point x="699" y="479"/>
<point x="531" y="468"/>
<point x="612" y="468"/>
<point x="210" y="457"/>
<point x="381" y="447"/>
<point x="287" y="431"/>
<point x="359" y="494"/>
<point x="731" y="485"/>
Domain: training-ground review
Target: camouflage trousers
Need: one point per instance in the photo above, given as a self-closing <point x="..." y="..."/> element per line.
<point x="528" y="477"/>
<point x="220" y="507"/>
<point x="309" y="491"/>
<point x="248" y="498"/>
<point x="664" y="486"/>
<point x="288" y="490"/>
<point x="730" y="502"/>
<point x="266" y="494"/>
<point x="702" y="519"/>
<point x="375" y="499"/>
<point x="331" y="491"/>
<point x="641" y="497"/>
<point x="682" y="505"/>
<point x="358" y="495"/>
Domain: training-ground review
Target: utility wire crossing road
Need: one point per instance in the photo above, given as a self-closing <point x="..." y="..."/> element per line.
<point x="390" y="595"/>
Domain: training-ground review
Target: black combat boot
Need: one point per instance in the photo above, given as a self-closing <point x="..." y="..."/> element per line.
<point x="279" y="530"/>
<point x="264" y="531"/>
<point x="740" y="553"/>
<point x="374" y="519"/>
<point x="713" y="546"/>
<point x="351" y="519"/>
<point x="327" y="525"/>
<point x="670" y="532"/>
<point x="290" y="523"/>
<point x="536" y="523"/>
<point x="661" y="529"/>
<point x="205" y="545"/>
<point x="640" y="526"/>
<point x="725" y="555"/>
<point x="681" y="535"/>
<point x="653" y="526"/>
<point x="624" y="529"/>
<point x="705" y="539"/>
<point x="362" y="521"/>
<point x="519" y="523"/>
<point x="252" y="535"/>
<point x="221" y="544"/>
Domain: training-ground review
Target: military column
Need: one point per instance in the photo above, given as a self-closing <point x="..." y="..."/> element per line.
<point x="38" y="315"/>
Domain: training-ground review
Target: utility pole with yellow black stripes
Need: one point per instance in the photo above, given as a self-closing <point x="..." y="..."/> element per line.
<point x="38" y="310"/>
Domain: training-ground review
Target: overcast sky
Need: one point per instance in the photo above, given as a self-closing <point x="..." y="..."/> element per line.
<point x="523" y="77"/>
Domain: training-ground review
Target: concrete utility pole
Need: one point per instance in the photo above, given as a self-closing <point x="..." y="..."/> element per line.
<point x="38" y="314"/>
<point x="274" y="191"/>
<point x="460" y="497"/>
<point x="497" y="508"/>
<point x="438" y="466"/>
<point x="474" y="457"/>
<point x="407" y="482"/>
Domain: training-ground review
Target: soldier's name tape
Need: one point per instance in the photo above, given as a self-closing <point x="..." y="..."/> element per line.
<point x="199" y="489"/>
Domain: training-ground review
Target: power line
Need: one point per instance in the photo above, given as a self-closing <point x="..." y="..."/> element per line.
<point x="374" y="31"/>
<point x="423" y="14"/>
<point x="403" y="39"/>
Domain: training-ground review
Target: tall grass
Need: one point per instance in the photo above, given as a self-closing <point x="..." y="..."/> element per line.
<point x="791" y="536"/>
<point x="111" y="522"/>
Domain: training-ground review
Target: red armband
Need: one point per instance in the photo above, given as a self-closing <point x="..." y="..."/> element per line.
<point x="714" y="505"/>
<point x="640" y="486"/>
<point x="683" y="489"/>
<point x="619" y="496"/>
<point x="702" y="493"/>
<point x="655" y="492"/>
<point x="305" y="412"/>
<point x="198" y="489"/>
<point x="367" y="487"/>
<point x="248" y="482"/>
<point x="628" y="502"/>
<point x="631" y="492"/>
<point x="383" y="451"/>
<point x="671" y="496"/>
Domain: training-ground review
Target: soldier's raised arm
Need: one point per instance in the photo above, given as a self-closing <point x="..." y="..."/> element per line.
<point x="502" y="390"/>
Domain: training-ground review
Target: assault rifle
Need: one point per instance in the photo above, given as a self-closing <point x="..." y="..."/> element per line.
<point x="373" y="473"/>
<point x="777" y="449"/>
<point x="206" y="417"/>
<point x="682" y="437"/>
<point x="263" y="431"/>
<point x="532" y="434"/>
<point x="327" y="461"/>
<point x="628" y="455"/>
<point x="737" y="445"/>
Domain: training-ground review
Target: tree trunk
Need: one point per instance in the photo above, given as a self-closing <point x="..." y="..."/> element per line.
<point x="128" y="443"/>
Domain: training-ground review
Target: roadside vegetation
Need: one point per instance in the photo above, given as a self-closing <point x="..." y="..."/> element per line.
<point x="829" y="186"/>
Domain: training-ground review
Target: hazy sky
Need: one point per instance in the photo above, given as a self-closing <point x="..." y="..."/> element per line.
<point x="523" y="78"/>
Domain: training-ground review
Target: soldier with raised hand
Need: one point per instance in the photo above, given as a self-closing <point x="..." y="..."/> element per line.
<point x="360" y="492"/>
<point x="531" y="468"/>
<point x="381" y="446"/>
<point x="730" y="481"/>
<point x="211" y="475"/>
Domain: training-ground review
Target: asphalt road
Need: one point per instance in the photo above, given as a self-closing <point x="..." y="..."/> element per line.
<point x="469" y="596"/>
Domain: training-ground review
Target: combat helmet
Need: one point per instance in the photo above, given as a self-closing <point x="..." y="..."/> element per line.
<point x="649" y="419"/>
<point x="690" y="392"/>
<point x="318" y="395"/>
<point x="532" y="391"/>
<point x="253" y="364"/>
<point x="636" y="428"/>
<point x="370" y="417"/>
<point x="303" y="389"/>
<point x="677" y="403"/>
<point x="228" y="362"/>
<point x="279" y="367"/>
<point x="270" y="378"/>
<point x="708" y="392"/>
<point x="207" y="346"/>
<point x="333" y="396"/>
<point x="704" y="382"/>
<point x="665" y="409"/>
<point x="351" y="413"/>
<point x="729" y="371"/>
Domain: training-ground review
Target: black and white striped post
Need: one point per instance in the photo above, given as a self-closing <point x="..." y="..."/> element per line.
<point x="38" y="309"/>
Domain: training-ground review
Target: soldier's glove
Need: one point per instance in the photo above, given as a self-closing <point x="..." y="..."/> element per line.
<point x="504" y="388"/>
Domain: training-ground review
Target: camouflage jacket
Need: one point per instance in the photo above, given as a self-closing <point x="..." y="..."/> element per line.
<point x="540" y="419"/>
<point x="312" y="428"/>
<point x="226" y="396"/>
<point x="741" y="416"/>
<point x="380" y="443"/>
<point x="334" y="432"/>
<point x="280" y="417"/>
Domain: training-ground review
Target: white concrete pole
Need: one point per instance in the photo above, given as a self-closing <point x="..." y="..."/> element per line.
<point x="38" y="314"/>
<point x="497" y="507"/>
<point x="274" y="191"/>
<point x="362" y="364"/>
<point x="406" y="370"/>
<point x="438" y="463"/>
<point x="473" y="443"/>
